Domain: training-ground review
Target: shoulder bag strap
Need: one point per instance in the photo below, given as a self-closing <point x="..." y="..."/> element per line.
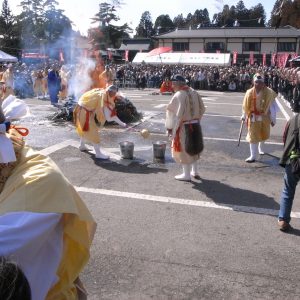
<point x="296" y="133"/>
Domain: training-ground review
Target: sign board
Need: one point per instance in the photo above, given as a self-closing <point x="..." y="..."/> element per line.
<point x="205" y="59"/>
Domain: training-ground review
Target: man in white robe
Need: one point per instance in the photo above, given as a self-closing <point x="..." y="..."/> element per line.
<point x="185" y="108"/>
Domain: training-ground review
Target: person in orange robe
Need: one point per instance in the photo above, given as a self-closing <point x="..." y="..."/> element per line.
<point x="166" y="86"/>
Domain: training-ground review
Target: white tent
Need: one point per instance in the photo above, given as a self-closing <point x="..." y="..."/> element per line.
<point x="204" y="59"/>
<point x="295" y="59"/>
<point x="4" y="57"/>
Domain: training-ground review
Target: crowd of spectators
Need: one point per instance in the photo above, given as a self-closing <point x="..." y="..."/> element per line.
<point x="141" y="76"/>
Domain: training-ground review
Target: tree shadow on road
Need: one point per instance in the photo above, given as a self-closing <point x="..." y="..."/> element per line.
<point x="224" y="194"/>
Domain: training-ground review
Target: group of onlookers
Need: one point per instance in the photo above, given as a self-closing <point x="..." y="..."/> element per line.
<point x="53" y="80"/>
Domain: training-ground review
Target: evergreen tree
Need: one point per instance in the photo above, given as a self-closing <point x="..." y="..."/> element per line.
<point x="285" y="12"/>
<point x="257" y="16"/>
<point x="179" y="21"/>
<point x="163" y="24"/>
<point x="107" y="35"/>
<point x="8" y="30"/>
<point x="200" y="18"/>
<point x="145" y="27"/>
<point x="55" y="24"/>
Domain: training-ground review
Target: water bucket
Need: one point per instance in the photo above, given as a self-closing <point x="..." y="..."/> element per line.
<point x="126" y="149"/>
<point x="159" y="149"/>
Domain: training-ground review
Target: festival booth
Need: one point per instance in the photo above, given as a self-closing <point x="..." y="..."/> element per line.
<point x="6" y="58"/>
<point x="203" y="59"/>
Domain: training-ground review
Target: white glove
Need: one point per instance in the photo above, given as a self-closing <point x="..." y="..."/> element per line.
<point x="243" y="117"/>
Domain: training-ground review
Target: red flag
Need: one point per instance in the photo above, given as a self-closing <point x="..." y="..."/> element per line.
<point x="251" y="58"/>
<point x="61" y="56"/>
<point x="234" y="57"/>
<point x="85" y="53"/>
<point x="273" y="59"/>
<point x="286" y="56"/>
<point x="264" y="59"/>
<point x="126" y="55"/>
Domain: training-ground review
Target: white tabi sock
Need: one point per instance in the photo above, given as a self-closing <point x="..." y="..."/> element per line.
<point x="82" y="146"/>
<point x="261" y="148"/>
<point x="186" y="175"/>
<point x="98" y="152"/>
<point x="253" y="153"/>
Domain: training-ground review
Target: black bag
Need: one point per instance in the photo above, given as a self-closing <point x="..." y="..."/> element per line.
<point x="295" y="165"/>
<point x="295" y="154"/>
<point x="193" y="138"/>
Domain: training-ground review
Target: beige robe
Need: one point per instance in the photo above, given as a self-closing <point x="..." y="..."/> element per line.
<point x="37" y="185"/>
<point x="185" y="105"/>
<point x="258" y="117"/>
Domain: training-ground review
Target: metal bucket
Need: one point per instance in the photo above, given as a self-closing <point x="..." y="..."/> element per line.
<point x="126" y="149"/>
<point x="159" y="149"/>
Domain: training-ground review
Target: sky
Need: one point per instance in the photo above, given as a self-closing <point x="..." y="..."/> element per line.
<point x="80" y="12"/>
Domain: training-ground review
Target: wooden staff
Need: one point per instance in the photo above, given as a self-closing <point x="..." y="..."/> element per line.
<point x="240" y="133"/>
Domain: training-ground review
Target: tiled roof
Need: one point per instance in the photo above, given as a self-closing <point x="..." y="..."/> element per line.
<point x="137" y="47"/>
<point x="235" y="32"/>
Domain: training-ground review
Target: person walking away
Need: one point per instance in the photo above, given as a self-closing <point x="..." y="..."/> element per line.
<point x="53" y="85"/>
<point x="259" y="111"/>
<point x="183" y="116"/>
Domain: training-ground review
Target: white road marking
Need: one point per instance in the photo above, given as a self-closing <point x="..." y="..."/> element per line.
<point x="209" y="99"/>
<point x="222" y="103"/>
<point x="198" y="203"/>
<point x="74" y="143"/>
<point x="59" y="146"/>
<point x="160" y="105"/>
<point x="286" y="115"/>
<point x="228" y="116"/>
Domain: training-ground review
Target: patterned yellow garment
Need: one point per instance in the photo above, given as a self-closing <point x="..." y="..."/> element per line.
<point x="37" y="185"/>
<point x="7" y="168"/>
<point x="260" y="129"/>
<point x="90" y="105"/>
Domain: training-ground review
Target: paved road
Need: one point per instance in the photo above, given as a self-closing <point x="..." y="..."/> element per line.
<point x="157" y="238"/>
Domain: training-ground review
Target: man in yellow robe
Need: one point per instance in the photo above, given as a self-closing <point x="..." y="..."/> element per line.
<point x="44" y="225"/>
<point x="8" y="80"/>
<point x="259" y="110"/>
<point x="186" y="108"/>
<point x="106" y="77"/>
<point x="97" y="103"/>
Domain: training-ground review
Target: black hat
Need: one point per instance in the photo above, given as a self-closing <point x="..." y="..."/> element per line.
<point x="178" y="78"/>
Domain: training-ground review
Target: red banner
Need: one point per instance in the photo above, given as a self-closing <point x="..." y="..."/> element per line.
<point x="273" y="59"/>
<point x="33" y="55"/>
<point x="264" y="59"/>
<point x="251" y="58"/>
<point x="85" y="53"/>
<point x="61" y="56"/>
<point x="282" y="59"/>
<point x="234" y="57"/>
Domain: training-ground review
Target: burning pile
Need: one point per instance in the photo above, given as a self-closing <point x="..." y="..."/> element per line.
<point x="126" y="111"/>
